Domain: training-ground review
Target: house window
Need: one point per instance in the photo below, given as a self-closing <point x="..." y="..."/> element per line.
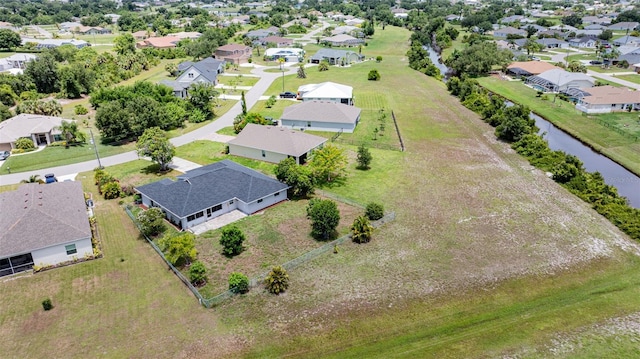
<point x="260" y="200"/>
<point x="276" y="194"/>
<point x="264" y="154"/>
<point x="231" y="202"/>
<point x="195" y="216"/>
<point x="71" y="249"/>
<point x="216" y="208"/>
<point x="308" y="123"/>
<point x="190" y="75"/>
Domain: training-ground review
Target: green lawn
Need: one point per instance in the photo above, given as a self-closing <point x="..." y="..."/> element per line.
<point x="607" y="70"/>
<point x="205" y="152"/>
<point x="622" y="149"/>
<point x="238" y="80"/>
<point x="631" y="78"/>
<point x="4" y="54"/>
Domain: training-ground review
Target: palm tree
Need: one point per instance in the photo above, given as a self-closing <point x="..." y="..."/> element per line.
<point x="33" y="179"/>
<point x="362" y="230"/>
<point x="301" y="72"/>
<point x="323" y="65"/>
<point x="68" y="130"/>
<point x="277" y="281"/>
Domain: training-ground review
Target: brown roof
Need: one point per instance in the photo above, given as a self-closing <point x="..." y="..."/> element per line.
<point x="233" y="47"/>
<point x="601" y="95"/>
<point x="533" y="67"/>
<point x="37" y="216"/>
<point x="160" y="42"/>
<point x="277" y="40"/>
<point x="320" y="111"/>
<point x="277" y="139"/>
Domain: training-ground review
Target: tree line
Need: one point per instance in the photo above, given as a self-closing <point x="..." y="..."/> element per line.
<point x="514" y="125"/>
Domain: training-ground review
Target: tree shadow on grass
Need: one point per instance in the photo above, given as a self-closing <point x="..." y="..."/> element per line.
<point x="336" y="182"/>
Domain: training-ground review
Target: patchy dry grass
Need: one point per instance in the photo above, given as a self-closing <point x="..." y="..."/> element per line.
<point x="275" y="236"/>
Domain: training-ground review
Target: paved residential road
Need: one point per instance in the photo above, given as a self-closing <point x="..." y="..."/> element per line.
<point x="226" y="120"/>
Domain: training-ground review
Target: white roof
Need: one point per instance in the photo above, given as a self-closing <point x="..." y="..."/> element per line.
<point x="283" y="51"/>
<point x="21" y="57"/>
<point x="561" y="77"/>
<point x="24" y="124"/>
<point x="326" y="90"/>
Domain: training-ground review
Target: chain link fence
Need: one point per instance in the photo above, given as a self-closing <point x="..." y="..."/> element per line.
<point x="258" y="280"/>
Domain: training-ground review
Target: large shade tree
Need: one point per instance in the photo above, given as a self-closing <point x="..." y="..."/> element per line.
<point x="155" y="144"/>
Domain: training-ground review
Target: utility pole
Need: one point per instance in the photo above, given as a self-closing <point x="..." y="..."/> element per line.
<point x="95" y="147"/>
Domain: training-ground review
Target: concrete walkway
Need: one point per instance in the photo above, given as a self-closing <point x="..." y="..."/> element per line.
<point x="182" y="165"/>
<point x="217" y="222"/>
<point x="251" y="97"/>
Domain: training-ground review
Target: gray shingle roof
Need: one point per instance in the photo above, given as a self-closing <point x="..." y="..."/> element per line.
<point x="38" y="216"/>
<point x="277" y="139"/>
<point x="319" y="111"/>
<point x="210" y="185"/>
<point x="331" y="53"/>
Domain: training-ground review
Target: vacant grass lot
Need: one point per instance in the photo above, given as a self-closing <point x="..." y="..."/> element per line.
<point x="487" y="257"/>
<point x="622" y="149"/>
<point x="631" y="78"/>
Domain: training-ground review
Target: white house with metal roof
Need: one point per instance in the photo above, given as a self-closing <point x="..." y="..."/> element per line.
<point x="559" y="80"/>
<point x="321" y="116"/>
<point x="43" y="225"/>
<point x="274" y="144"/>
<point x="211" y="191"/>
<point x="326" y="92"/>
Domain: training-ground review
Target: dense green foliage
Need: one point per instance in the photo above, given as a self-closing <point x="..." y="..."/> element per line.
<point x="361" y="230"/>
<point x="277" y="281"/>
<point x="40" y="107"/>
<point x="151" y="221"/>
<point x="477" y="59"/>
<point x="299" y="178"/>
<point x="238" y="283"/>
<point x="324" y="216"/>
<point x="179" y="250"/>
<point x="514" y="125"/>
<point x="124" y="112"/>
<point x="241" y="121"/>
<point x="231" y="241"/>
<point x="197" y="273"/>
<point x="154" y="143"/>
<point x="373" y="75"/>
<point x="25" y="143"/>
<point x="374" y="211"/>
<point x="364" y="157"/>
<point x="328" y="163"/>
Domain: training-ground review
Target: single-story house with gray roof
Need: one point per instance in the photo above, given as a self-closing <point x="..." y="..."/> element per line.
<point x="207" y="192"/>
<point x="342" y="40"/>
<point x="336" y="57"/>
<point x="274" y="144"/>
<point x="559" y="80"/>
<point x="321" y="116"/>
<point x="43" y="225"/>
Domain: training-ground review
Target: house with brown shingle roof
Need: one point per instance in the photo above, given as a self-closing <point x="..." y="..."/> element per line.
<point x="233" y="53"/>
<point x="321" y="116"/>
<point x="278" y="40"/>
<point x="43" y="225"/>
<point x="274" y="144"/>
<point x="605" y="99"/>
<point x="165" y="42"/>
<point x="143" y="34"/>
<point x="529" y="68"/>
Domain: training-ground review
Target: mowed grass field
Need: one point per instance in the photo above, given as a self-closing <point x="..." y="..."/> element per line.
<point x="487" y="257"/>
<point x="624" y="149"/>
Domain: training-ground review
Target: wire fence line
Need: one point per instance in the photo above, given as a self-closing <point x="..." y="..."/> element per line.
<point x="259" y="279"/>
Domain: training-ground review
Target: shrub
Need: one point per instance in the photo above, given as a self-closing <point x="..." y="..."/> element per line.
<point x="46" y="304"/>
<point x="363" y="158"/>
<point x="80" y="110"/>
<point x="362" y="230"/>
<point x="374" y="75"/>
<point x="324" y="216"/>
<point x="374" y="211"/>
<point x="151" y="221"/>
<point x="277" y="281"/>
<point x="378" y="58"/>
<point x="238" y="283"/>
<point x="17" y="151"/>
<point x="25" y="143"/>
<point x="179" y="250"/>
<point x="197" y="273"/>
<point x="111" y="190"/>
<point x="231" y="241"/>
<point x="197" y="116"/>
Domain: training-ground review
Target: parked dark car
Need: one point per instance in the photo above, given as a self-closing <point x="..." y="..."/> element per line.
<point x="288" y="94"/>
<point x="50" y="178"/>
<point x="4" y="155"/>
<point x="595" y="62"/>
